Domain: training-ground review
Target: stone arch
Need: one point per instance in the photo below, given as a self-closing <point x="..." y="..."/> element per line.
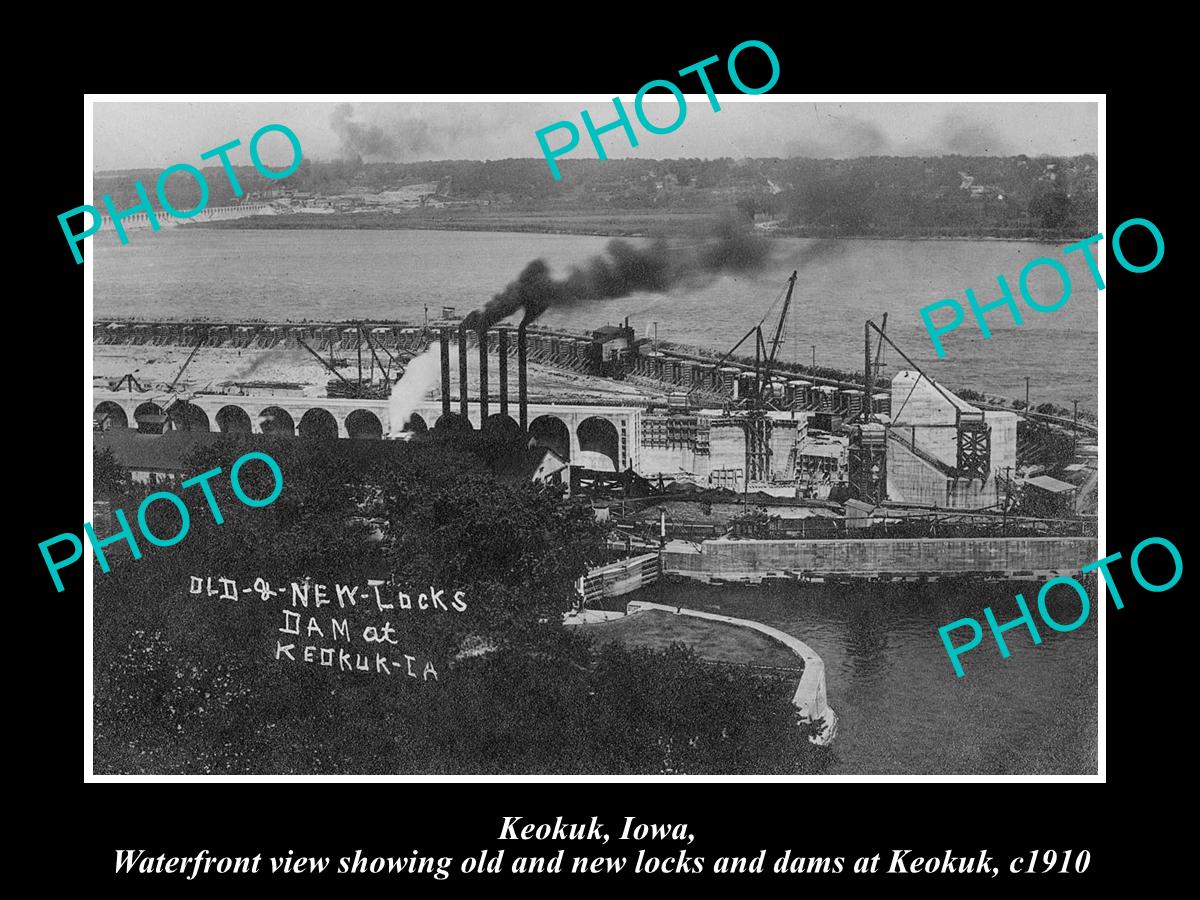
<point x="233" y="420"/>
<point x="362" y="423"/>
<point x="150" y="417"/>
<point x="318" y="423"/>
<point x="551" y="431"/>
<point x="598" y="437"/>
<point x="110" y="415"/>
<point x="276" y="420"/>
<point x="416" y="424"/>
<point x="453" y="422"/>
<point x="501" y="424"/>
<point x="186" y="416"/>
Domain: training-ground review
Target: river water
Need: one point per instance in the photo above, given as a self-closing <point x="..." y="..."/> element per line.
<point x="900" y="708"/>
<point x="218" y="273"/>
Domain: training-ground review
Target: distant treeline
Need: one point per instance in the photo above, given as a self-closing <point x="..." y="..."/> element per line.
<point x="883" y="196"/>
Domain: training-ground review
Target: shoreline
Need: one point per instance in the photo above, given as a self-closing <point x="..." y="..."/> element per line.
<point x="654" y="226"/>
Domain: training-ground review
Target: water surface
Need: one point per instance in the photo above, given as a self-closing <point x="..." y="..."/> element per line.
<point x="225" y="273"/>
<point x="900" y="708"/>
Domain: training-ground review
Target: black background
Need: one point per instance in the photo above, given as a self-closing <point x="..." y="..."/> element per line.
<point x="1125" y="823"/>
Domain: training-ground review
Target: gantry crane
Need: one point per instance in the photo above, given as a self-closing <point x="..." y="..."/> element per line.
<point x="764" y="360"/>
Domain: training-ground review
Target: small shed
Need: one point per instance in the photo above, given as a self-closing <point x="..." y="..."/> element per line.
<point x="1047" y="496"/>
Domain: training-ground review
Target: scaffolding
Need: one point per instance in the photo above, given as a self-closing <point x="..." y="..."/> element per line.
<point x="758" y="447"/>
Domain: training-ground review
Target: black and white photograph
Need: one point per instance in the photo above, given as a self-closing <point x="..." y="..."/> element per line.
<point x="691" y="434"/>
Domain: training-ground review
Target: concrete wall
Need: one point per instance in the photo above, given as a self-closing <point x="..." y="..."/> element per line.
<point x="254" y="404"/>
<point x="673" y="460"/>
<point x="746" y="560"/>
<point x="916" y="401"/>
<point x="926" y="419"/>
<point x="783" y="448"/>
<point x="809" y="698"/>
<point x="1004" y="440"/>
<point x="572" y="415"/>
<point x="727" y="447"/>
<point x="913" y="480"/>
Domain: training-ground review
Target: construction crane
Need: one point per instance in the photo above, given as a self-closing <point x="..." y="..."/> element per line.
<point x="170" y="396"/>
<point x="200" y="343"/>
<point x="764" y="359"/>
<point x="385" y="371"/>
<point x="348" y="388"/>
<point x="763" y="379"/>
<point x="132" y="381"/>
<point x="879" y="347"/>
<point x="393" y="362"/>
<point x="871" y="371"/>
<point x="921" y="372"/>
<point x="328" y="365"/>
<point x="867" y="452"/>
<point x="754" y="421"/>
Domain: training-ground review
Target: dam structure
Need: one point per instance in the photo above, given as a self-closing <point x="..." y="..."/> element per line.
<point x="676" y="417"/>
<point x="835" y="471"/>
<point x="672" y="420"/>
<point x="141" y="220"/>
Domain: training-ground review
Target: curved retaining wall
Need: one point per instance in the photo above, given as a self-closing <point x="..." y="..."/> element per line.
<point x="809" y="698"/>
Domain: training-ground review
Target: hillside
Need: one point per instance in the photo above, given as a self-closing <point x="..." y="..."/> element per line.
<point x="879" y="196"/>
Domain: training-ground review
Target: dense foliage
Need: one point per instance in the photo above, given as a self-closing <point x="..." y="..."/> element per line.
<point x="109" y="478"/>
<point x="188" y="682"/>
<point x="165" y="706"/>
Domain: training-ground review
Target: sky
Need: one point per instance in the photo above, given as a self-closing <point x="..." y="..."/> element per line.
<point x="157" y="134"/>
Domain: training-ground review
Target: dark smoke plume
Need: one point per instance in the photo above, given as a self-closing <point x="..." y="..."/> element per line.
<point x="841" y="137"/>
<point x="398" y="138"/>
<point x="970" y="137"/>
<point x="623" y="269"/>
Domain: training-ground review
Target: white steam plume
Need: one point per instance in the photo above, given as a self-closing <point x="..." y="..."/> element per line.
<point x="420" y="375"/>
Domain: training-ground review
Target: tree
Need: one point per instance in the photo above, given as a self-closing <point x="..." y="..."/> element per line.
<point x="515" y="548"/>
<point x="109" y="478"/>
<point x="609" y="710"/>
<point x="164" y="707"/>
<point x="841" y="202"/>
<point x="317" y="525"/>
<point x="1051" y="209"/>
<point x="190" y="682"/>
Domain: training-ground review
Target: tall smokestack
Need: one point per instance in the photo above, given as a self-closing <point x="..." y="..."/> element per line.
<point x="522" y="383"/>
<point x="483" y="376"/>
<point x="462" y="372"/>
<point x="503" y="351"/>
<point x="444" y="340"/>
